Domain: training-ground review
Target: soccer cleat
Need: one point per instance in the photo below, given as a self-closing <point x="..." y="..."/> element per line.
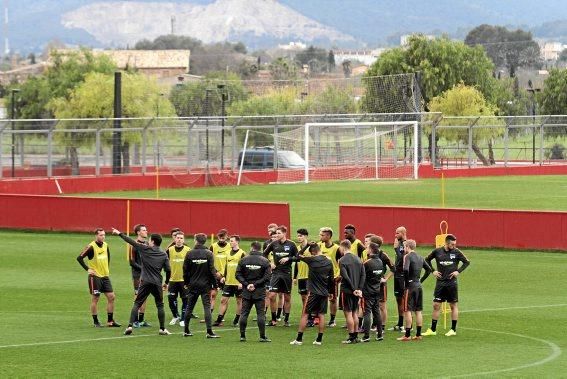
<point x="202" y="321"/>
<point x="113" y="324"/>
<point x="265" y="339"/>
<point x="174" y="321"/>
<point x="97" y="325"/>
<point x="396" y="328"/>
<point x="193" y="315"/>
<point x="145" y="324"/>
<point x="450" y="333"/>
<point x="286" y="324"/>
<point x="217" y="323"/>
<point x="296" y="343"/>
<point x="164" y="332"/>
<point x="212" y="335"/>
<point x="429" y="332"/>
<point x="417" y="338"/>
<point x="379" y="338"/>
<point x="317" y="343"/>
<point x="188" y="334"/>
<point x="136" y="324"/>
<point x="331" y="324"/>
<point x="128" y="331"/>
<point x="365" y="339"/>
<point x="403" y="338"/>
<point x="242" y="339"/>
<point x="234" y="324"/>
<point x="373" y="329"/>
<point x="350" y="341"/>
<point x="272" y="323"/>
<point x="182" y="323"/>
<point x="278" y="319"/>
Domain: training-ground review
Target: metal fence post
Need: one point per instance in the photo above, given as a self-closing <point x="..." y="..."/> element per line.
<point x="433" y="145"/>
<point x="97" y="152"/>
<point x="50" y="153"/>
<point x="541" y="142"/>
<point x="1" y="165"/>
<point x="506" y="143"/>
<point x="276" y="163"/>
<point x="144" y="149"/>
<point x="469" y="149"/>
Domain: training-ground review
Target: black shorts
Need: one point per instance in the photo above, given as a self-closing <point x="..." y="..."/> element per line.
<point x="399" y="285"/>
<point x="230" y="291"/>
<point x="444" y="292"/>
<point x="136" y="283"/>
<point x="302" y="286"/>
<point x="316" y="304"/>
<point x="413" y="299"/>
<point x="99" y="285"/>
<point x="281" y="283"/>
<point x="218" y="286"/>
<point x="176" y="289"/>
<point x="383" y="292"/>
<point x="349" y="302"/>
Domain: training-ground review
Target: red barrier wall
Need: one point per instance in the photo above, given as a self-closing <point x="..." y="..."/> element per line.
<point x="475" y="228"/>
<point x="426" y="171"/>
<point x="85" y="214"/>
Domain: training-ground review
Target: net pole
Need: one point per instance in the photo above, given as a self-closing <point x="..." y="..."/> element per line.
<point x="306" y="153"/>
<point x="157" y="181"/>
<point x="242" y="159"/>
<point x="376" y="151"/>
<point x="415" y="151"/>
<point x="127" y="229"/>
<point x="442" y="190"/>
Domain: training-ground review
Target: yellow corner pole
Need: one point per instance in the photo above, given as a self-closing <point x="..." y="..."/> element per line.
<point x="212" y="238"/>
<point x="442" y="190"/>
<point x="127" y="227"/>
<point x="157" y="182"/>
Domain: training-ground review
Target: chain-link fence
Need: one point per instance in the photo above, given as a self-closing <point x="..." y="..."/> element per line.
<point x="185" y="145"/>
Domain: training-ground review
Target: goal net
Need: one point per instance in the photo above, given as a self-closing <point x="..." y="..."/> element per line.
<point x="337" y="151"/>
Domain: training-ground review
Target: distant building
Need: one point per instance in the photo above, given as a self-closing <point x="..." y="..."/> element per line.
<point x="293" y="46"/>
<point x="550" y="50"/>
<point x="366" y="57"/>
<point x="21" y="74"/>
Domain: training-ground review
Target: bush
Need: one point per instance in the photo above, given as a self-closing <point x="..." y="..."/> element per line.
<point x="557" y="151"/>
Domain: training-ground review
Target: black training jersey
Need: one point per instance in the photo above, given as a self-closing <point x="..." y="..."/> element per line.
<point x="352" y="273"/>
<point x="321" y="278"/>
<point x="280" y="250"/>
<point x="386" y="261"/>
<point x="399" y="272"/>
<point x="448" y="261"/>
<point x="413" y="263"/>
<point x="374" y="271"/>
<point x="199" y="273"/>
<point x="135" y="260"/>
<point x="154" y="260"/>
<point x="253" y="269"/>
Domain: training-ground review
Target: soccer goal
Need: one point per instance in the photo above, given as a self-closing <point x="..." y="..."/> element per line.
<point x="349" y="151"/>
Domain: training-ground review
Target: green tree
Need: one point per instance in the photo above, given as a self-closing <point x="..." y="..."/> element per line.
<point x="315" y="57"/>
<point x="553" y="98"/>
<point x="191" y="99"/>
<point x="333" y="100"/>
<point x="331" y="61"/>
<point x="94" y="98"/>
<point x="506" y="48"/>
<point x="283" y="69"/>
<point x="465" y="100"/>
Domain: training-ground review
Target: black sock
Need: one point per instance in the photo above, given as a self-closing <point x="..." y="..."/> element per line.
<point x="418" y="331"/>
<point x="210" y="331"/>
<point x="332" y="318"/>
<point x="454" y="325"/>
<point x="274" y="316"/>
<point x="360" y="322"/>
<point x="243" y="335"/>
<point x="408" y="332"/>
<point x="299" y="336"/>
<point x="110" y="317"/>
<point x="95" y="319"/>
<point x="433" y="325"/>
<point x="279" y="314"/>
<point x="219" y="318"/>
<point x="236" y="319"/>
<point x="140" y="317"/>
<point x="286" y="317"/>
<point x="319" y="337"/>
<point x="400" y="321"/>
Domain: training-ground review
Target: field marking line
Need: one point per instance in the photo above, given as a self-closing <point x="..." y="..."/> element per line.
<point x="102" y="339"/>
<point x="511" y="308"/>
<point x="555" y="353"/>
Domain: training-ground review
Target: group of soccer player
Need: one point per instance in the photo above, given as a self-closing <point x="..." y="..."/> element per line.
<point x="351" y="276"/>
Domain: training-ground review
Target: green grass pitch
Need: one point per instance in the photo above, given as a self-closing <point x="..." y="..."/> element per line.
<point x="512" y="303"/>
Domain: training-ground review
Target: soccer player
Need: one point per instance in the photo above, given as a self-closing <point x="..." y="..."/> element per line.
<point x="253" y="273"/>
<point x="284" y="252"/>
<point x="200" y="275"/>
<point x="413" y="293"/>
<point x="400" y="237"/>
<point x="232" y="287"/>
<point x="176" y="255"/>
<point x="372" y="292"/>
<point x="220" y="250"/>
<point x="352" y="282"/>
<point x="331" y="250"/>
<point x="173" y="233"/>
<point x="135" y="260"/>
<point x="97" y="267"/>
<point x="272" y="233"/>
<point x="357" y="247"/>
<point x="447" y="258"/>
<point x="154" y="260"/>
<point x="301" y="272"/>
<point x="387" y="263"/>
<point x="321" y="287"/>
